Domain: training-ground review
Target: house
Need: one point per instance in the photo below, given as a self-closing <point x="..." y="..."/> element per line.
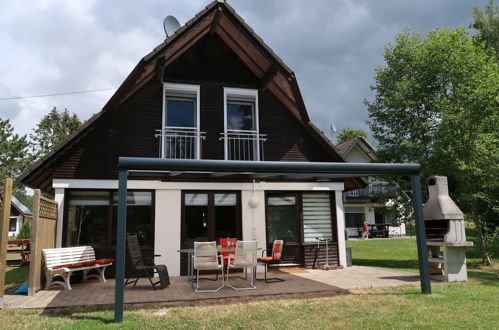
<point x="213" y="91"/>
<point x="18" y="215"/>
<point x="360" y="204"/>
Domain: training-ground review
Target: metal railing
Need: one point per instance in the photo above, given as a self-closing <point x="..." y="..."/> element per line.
<point x="370" y="191"/>
<point x="246" y="146"/>
<point x="180" y="143"/>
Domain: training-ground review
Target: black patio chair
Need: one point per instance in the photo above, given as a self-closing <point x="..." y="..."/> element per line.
<point x="144" y="265"/>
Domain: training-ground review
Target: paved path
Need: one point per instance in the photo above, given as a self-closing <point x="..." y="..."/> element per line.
<point x="358" y="277"/>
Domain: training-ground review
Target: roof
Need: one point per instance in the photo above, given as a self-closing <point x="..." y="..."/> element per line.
<point x="220" y="18"/>
<point x="20" y="207"/>
<point x="345" y="147"/>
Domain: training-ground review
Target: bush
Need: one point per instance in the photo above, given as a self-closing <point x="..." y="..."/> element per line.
<point x="25" y="231"/>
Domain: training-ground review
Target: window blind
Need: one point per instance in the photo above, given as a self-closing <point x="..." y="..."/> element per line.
<point x="316" y="216"/>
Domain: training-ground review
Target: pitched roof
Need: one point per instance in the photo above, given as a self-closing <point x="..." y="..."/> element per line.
<point x="345" y="147"/>
<point x="220" y="18"/>
<point x="20" y="207"/>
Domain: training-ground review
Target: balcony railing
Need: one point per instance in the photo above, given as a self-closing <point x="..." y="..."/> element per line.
<point x="246" y="146"/>
<point x="180" y="143"/>
<point x="370" y="191"/>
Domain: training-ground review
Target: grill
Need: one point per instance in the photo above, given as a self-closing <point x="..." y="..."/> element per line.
<point x="445" y="234"/>
<point x="444" y="221"/>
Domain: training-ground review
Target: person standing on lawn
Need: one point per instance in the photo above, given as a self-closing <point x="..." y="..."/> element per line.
<point x="365" y="233"/>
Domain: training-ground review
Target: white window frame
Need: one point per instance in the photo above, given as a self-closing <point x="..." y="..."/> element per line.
<point x="241" y="92"/>
<point x="191" y="89"/>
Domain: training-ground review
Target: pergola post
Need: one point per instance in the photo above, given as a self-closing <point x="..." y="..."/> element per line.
<point x="120" y="246"/>
<point x="424" y="269"/>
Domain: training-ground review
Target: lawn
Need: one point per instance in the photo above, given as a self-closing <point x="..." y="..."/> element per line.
<point x="452" y="305"/>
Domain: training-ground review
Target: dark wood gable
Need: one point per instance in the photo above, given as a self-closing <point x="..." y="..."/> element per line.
<point x="215" y="49"/>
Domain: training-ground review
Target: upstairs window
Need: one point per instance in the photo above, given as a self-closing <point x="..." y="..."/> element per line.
<point x="242" y="140"/>
<point x="180" y="135"/>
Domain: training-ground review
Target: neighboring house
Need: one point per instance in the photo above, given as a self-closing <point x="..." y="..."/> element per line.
<point x="212" y="90"/>
<point x="359" y="204"/>
<point x="18" y="214"/>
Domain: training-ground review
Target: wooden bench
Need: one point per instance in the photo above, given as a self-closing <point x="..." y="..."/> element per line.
<point x="62" y="262"/>
<point x="21" y="247"/>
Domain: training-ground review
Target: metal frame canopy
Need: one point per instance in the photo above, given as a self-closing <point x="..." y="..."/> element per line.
<point x="152" y="167"/>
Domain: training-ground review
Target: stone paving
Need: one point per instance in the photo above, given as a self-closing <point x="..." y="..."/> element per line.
<point x="304" y="283"/>
<point x="359" y="277"/>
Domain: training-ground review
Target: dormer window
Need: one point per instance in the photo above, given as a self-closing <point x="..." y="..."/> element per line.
<point x="241" y="137"/>
<point x="180" y="135"/>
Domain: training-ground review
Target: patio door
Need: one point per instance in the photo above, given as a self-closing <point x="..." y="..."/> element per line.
<point x="284" y="222"/>
<point x="208" y="216"/>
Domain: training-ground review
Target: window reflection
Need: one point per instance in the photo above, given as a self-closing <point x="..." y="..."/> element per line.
<point x="92" y="217"/>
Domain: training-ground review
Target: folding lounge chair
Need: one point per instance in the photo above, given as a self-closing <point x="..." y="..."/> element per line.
<point x="140" y="267"/>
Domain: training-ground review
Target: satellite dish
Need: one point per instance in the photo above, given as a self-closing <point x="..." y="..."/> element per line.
<point x="170" y="24"/>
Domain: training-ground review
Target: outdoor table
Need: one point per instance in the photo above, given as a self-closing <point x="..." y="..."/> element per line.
<point x="190" y="268"/>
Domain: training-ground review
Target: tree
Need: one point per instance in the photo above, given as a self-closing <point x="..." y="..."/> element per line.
<point x="487" y="24"/>
<point x="436" y="104"/>
<point x="53" y="129"/>
<point x="14" y="157"/>
<point x="348" y="133"/>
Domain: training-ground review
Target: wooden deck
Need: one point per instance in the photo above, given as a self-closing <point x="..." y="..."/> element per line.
<point x="299" y="283"/>
<point x="179" y="292"/>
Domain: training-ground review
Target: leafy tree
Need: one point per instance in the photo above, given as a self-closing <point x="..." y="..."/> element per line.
<point x="14" y="158"/>
<point x="436" y="104"/>
<point x="25" y="231"/>
<point x="53" y="129"/>
<point x="348" y="133"/>
<point x="487" y="24"/>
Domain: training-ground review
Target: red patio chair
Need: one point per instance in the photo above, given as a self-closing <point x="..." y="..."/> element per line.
<point x="275" y="258"/>
<point x="226" y="243"/>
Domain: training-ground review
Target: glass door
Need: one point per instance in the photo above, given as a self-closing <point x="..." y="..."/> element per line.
<point x="208" y="216"/>
<point x="283" y="218"/>
<point x="195" y="227"/>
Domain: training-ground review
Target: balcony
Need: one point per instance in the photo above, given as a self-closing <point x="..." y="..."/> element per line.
<point x="244" y="146"/>
<point x="369" y="192"/>
<point x="180" y="143"/>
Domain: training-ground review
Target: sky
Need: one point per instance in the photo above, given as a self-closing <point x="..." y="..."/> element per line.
<point x="333" y="46"/>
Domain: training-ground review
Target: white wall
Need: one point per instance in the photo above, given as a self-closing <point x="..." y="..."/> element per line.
<point x="357" y="155"/>
<point x="369" y="213"/>
<point x="59" y="198"/>
<point x="167" y="229"/>
<point x="340" y="223"/>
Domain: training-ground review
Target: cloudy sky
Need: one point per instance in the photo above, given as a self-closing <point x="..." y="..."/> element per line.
<point x="53" y="46"/>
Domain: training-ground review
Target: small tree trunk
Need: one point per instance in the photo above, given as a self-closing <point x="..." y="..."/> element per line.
<point x="484" y="249"/>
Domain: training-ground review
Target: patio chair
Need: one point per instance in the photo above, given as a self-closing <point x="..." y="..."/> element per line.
<point x="141" y="267"/>
<point x="206" y="258"/>
<point x="245" y="257"/>
<point x="275" y="258"/>
<point x="226" y="243"/>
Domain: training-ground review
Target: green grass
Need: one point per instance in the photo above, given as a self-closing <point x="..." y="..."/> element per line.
<point x="451" y="306"/>
<point x="15" y="275"/>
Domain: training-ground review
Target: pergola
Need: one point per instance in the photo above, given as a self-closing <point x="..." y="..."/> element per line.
<point x="203" y="169"/>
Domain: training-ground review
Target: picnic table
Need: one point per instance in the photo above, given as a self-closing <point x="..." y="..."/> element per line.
<point x="21" y="247"/>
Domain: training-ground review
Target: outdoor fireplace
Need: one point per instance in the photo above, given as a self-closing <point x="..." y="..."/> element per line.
<point x="445" y="234"/>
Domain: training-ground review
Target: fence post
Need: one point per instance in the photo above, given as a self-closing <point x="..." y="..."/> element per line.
<point x="4" y="232"/>
<point x="35" y="255"/>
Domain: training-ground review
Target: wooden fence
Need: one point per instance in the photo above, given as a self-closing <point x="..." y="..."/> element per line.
<point x="5" y="200"/>
<point x="43" y="232"/>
